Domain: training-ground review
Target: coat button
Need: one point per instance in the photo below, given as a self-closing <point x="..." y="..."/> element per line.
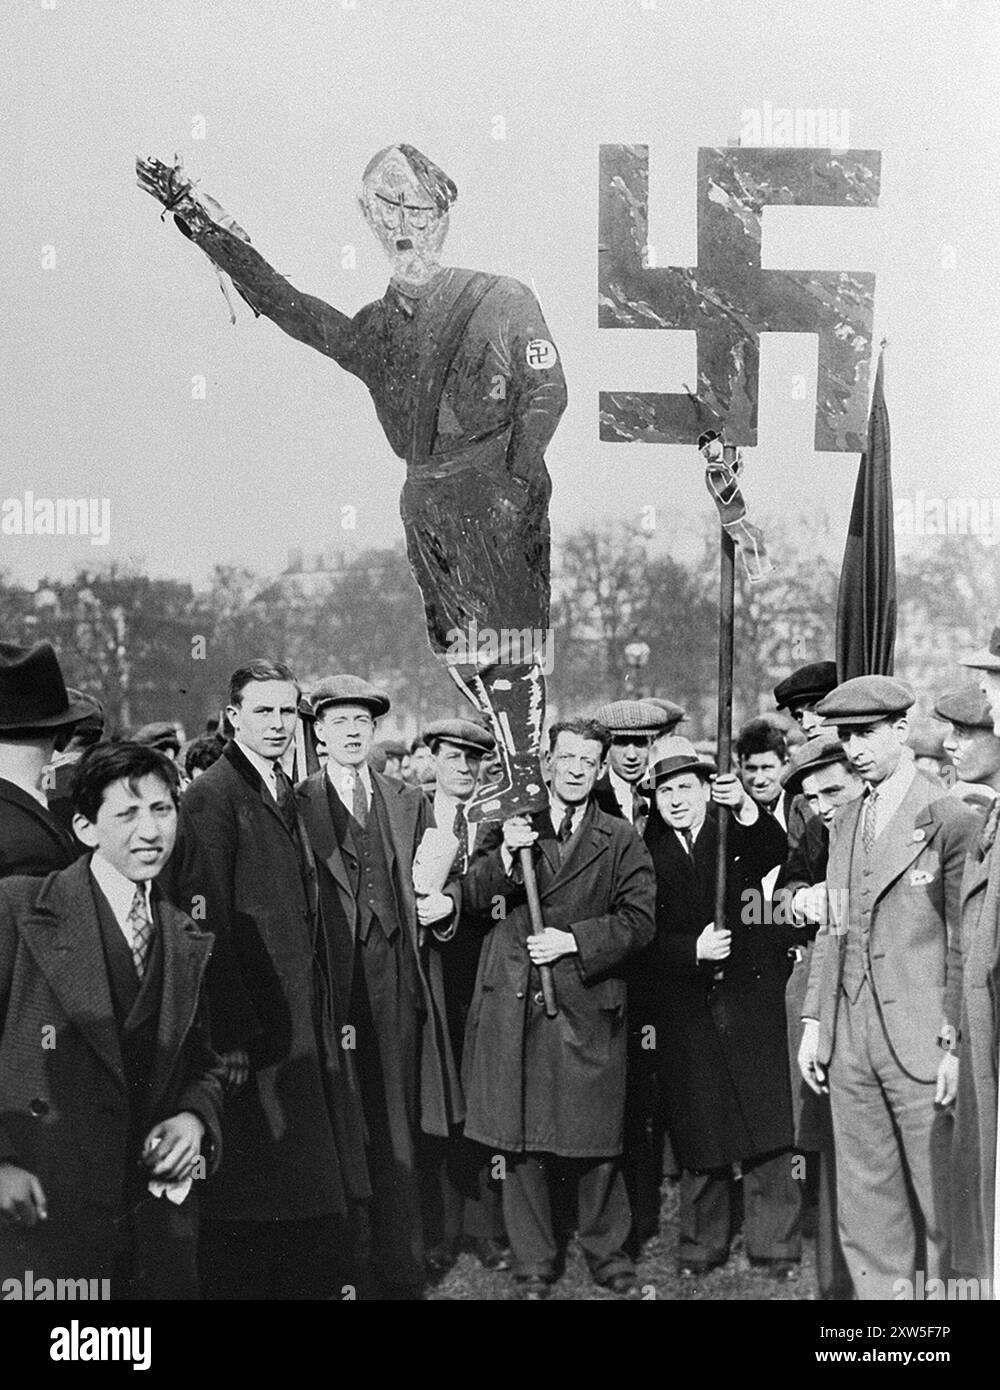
<point x="38" y="1107"/>
<point x="520" y="994"/>
<point x="539" y="997"/>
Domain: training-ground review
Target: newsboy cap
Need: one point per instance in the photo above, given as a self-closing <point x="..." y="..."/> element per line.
<point x="967" y="706"/>
<point x="805" y="685"/>
<point x="639" y="716"/>
<point x="986" y="658"/>
<point x="866" y="700"/>
<point x="819" y="750"/>
<point x="160" y="734"/>
<point x="676" y="755"/>
<point x="461" y="732"/>
<point x="348" y="690"/>
<point x="927" y="741"/>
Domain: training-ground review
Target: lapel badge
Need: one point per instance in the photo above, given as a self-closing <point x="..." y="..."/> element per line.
<point x="920" y="878"/>
<point x="919" y="835"/>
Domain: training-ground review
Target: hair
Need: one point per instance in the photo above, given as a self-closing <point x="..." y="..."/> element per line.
<point x="261" y="669"/>
<point x="107" y="763"/>
<point x="432" y="179"/>
<point x="202" y="753"/>
<point x="761" y="736"/>
<point x="585" y="728"/>
<point x="417" y="743"/>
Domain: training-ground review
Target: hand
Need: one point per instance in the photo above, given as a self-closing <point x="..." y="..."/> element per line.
<point x="809" y="904"/>
<point x="947" y="1080"/>
<point x="173" y="1147"/>
<point x="518" y="834"/>
<point x="22" y="1201"/>
<point x="713" y="945"/>
<point x="431" y="907"/>
<point x="237" y="1068"/>
<point x="727" y="790"/>
<point x="813" y="1072"/>
<point x="550" y="944"/>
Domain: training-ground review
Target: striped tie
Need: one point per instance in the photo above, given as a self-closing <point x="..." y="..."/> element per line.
<point x="142" y="930"/>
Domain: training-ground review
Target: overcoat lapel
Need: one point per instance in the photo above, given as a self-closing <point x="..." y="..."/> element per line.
<point x="906" y="835"/>
<point x="185" y="956"/>
<point x="589" y="843"/>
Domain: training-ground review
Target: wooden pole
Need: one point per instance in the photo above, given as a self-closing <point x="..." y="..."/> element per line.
<point x="538" y="925"/>
<point x="727" y="586"/>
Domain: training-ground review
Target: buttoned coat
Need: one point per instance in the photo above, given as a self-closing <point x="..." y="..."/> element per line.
<point x="915" y="892"/>
<point x="294" y="1136"/>
<point x="64" y="1105"/>
<point x="555" y="1085"/>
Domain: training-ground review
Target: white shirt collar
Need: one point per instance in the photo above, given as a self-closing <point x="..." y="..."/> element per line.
<point x="892" y="789"/>
<point x="625" y="793"/>
<point x="342" y="780"/>
<point x="557" y="809"/>
<point x="119" y="891"/>
<point x="264" y="766"/>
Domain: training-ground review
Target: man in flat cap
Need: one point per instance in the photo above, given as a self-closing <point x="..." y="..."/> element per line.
<point x="974" y="741"/>
<point x="292" y="1158"/>
<point x="634" y="726"/>
<point x="364" y="830"/>
<point x="802" y="691"/>
<point x="36" y="712"/>
<point x="882" y="1000"/>
<point x="819" y="771"/>
<point x="463" y="1202"/>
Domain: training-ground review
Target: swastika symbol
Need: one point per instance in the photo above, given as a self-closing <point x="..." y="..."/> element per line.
<point x="540" y="354"/>
<point x="728" y="299"/>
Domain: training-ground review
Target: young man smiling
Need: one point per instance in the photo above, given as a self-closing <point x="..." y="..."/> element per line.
<point x="109" y="1091"/>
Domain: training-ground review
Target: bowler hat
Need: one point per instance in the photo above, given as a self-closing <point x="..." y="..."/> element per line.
<point x="819" y="750"/>
<point x="462" y="732"/>
<point x="966" y="706"/>
<point x="805" y="685"/>
<point x="677" y="755"/>
<point x="348" y="690"/>
<point x="986" y="658"/>
<point x="33" y="693"/>
<point x="866" y="700"/>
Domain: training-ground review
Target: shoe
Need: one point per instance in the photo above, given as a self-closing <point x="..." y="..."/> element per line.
<point x="532" y="1289"/>
<point x="491" y="1254"/>
<point x="780" y="1270"/>
<point x="439" y="1260"/>
<point x="696" y="1269"/>
<point x="622" y="1282"/>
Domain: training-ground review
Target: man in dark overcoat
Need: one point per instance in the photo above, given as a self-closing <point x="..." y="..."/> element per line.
<point x="364" y="830"/>
<point x="549" y="1093"/>
<point x="718" y="1007"/>
<point x="107" y="1080"/>
<point x="293" y="1133"/>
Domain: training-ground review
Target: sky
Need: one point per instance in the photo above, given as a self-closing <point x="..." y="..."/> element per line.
<point x="113" y="318"/>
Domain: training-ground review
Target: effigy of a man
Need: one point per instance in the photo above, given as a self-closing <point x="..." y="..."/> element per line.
<point x="468" y="388"/>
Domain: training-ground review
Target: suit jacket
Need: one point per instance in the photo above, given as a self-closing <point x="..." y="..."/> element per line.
<point x="555" y="1085"/>
<point x="64" y="1105"/>
<point x="916" y="958"/>
<point x="31" y="840"/>
<point x="294" y="1138"/>
<point x="406" y="815"/>
<point x="721" y="1044"/>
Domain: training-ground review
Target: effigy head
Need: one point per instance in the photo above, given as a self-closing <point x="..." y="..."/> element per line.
<point x="405" y="199"/>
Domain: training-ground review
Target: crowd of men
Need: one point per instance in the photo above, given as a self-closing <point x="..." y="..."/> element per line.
<point x="280" y="1029"/>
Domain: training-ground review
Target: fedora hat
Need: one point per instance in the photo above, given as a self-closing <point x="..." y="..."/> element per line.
<point x="676" y="755"/>
<point x="33" y="693"/>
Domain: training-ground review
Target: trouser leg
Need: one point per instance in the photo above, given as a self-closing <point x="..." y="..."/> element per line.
<point x="705" y="1216"/>
<point x="772" y="1208"/>
<point x="604" y="1216"/>
<point x="527" y="1210"/>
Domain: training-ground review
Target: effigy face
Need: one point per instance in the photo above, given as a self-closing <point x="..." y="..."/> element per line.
<point x="409" y="225"/>
<point x="728" y="299"/>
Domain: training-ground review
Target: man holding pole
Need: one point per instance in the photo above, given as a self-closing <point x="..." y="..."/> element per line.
<point x="545" y="1092"/>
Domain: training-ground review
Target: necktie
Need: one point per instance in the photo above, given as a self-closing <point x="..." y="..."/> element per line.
<point x="688" y="841"/>
<point x="285" y="795"/>
<point x="639" y="813"/>
<point x="142" y="931"/>
<point x="989" y="831"/>
<point x="868" y="823"/>
<point x="565" y="831"/>
<point x="359" y="802"/>
<point x="460" y="829"/>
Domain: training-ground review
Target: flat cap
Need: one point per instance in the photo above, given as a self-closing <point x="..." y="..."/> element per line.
<point x="866" y="700"/>
<point x="819" y="750"/>
<point x="807" y="684"/>
<point x="927" y="741"/>
<point x="676" y="755"/>
<point x="638" y="716"/>
<point x="967" y="706"/>
<point x="986" y="658"/>
<point x="461" y="731"/>
<point x="160" y="734"/>
<point x="393" y="747"/>
<point x="348" y="690"/>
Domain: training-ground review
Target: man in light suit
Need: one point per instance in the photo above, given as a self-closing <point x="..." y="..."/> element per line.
<point x="107" y="1081"/>
<point x="364" y="830"/>
<point x="881" y="1006"/>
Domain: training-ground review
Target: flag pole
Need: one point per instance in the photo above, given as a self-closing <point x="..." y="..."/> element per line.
<point x="724" y="730"/>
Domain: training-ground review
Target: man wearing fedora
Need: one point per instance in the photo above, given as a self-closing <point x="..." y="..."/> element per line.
<point x="820" y="772"/>
<point x="882" y="1001"/>
<point x="293" y="1158"/>
<point x="464" y="1202"/>
<point x="364" y="830"/>
<point x="716" y="1001"/>
<point x="36" y="711"/>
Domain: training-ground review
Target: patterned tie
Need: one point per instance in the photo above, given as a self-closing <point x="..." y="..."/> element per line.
<point x="640" y="813"/>
<point x="989" y="831"/>
<point x="460" y="830"/>
<point x="359" y="802"/>
<point x="142" y="930"/>
<point x="868" y="823"/>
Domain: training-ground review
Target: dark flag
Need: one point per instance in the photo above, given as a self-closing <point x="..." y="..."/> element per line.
<point x="866" y="600"/>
